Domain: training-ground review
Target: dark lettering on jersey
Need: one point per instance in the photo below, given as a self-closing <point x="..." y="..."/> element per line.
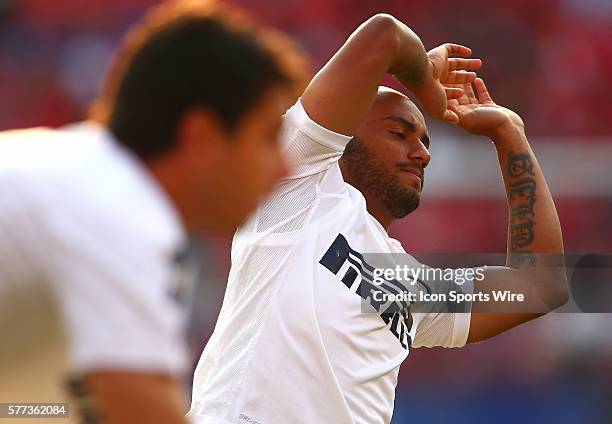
<point x="186" y="270"/>
<point x="395" y="314"/>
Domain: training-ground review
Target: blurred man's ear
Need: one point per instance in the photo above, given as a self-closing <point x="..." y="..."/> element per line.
<point x="200" y="133"/>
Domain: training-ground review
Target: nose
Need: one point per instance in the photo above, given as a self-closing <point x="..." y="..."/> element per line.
<point x="421" y="153"/>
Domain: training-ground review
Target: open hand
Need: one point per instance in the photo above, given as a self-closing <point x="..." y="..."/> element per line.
<point x="444" y="70"/>
<point x="477" y="113"/>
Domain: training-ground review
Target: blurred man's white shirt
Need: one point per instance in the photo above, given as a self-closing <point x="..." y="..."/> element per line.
<point x="292" y="344"/>
<point x="82" y="217"/>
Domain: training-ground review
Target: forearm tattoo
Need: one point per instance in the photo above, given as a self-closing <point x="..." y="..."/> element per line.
<point x="522" y="198"/>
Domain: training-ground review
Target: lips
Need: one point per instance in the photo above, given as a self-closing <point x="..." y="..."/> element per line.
<point x="414" y="172"/>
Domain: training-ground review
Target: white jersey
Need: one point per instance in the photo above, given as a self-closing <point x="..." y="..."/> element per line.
<point x="82" y="216"/>
<point x="292" y="343"/>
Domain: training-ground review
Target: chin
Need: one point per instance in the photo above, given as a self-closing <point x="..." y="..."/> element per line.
<point x="404" y="205"/>
<point x="416" y="191"/>
<point x="404" y="213"/>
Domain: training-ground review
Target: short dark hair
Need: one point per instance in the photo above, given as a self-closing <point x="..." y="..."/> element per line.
<point x="186" y="54"/>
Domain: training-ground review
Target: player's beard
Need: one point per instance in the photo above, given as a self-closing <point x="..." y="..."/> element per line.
<point x="369" y="175"/>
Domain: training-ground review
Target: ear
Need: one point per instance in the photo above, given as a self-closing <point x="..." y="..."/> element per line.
<point x="200" y="134"/>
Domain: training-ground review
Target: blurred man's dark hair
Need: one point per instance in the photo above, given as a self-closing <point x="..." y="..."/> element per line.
<point x="188" y="54"/>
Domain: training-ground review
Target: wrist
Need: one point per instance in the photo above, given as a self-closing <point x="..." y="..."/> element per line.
<point x="431" y="94"/>
<point x="509" y="131"/>
<point x="418" y="78"/>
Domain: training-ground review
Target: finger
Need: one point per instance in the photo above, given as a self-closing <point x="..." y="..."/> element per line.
<point x="469" y="92"/>
<point x="481" y="89"/>
<point x="452" y="85"/>
<point x="463" y="100"/>
<point x="457" y="50"/>
<point x="460" y="77"/>
<point x="452" y="103"/>
<point x="450" y="116"/>
<point x="464" y="64"/>
<point x="459" y="110"/>
<point x="453" y="93"/>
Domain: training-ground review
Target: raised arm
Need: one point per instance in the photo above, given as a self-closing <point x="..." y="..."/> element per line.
<point x="342" y="92"/>
<point x="534" y="265"/>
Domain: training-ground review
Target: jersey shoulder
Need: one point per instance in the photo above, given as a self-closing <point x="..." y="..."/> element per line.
<point x="80" y="181"/>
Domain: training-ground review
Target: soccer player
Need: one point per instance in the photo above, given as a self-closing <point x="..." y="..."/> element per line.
<point x="294" y="341"/>
<point x="184" y="137"/>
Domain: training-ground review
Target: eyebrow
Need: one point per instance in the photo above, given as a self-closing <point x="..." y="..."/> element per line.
<point x="410" y="127"/>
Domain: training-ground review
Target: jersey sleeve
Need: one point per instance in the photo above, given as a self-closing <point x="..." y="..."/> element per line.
<point x="117" y="294"/>
<point x="28" y="315"/>
<point x="445" y="323"/>
<point x="84" y="219"/>
<point x="21" y="247"/>
<point x="313" y="152"/>
<point x="310" y="147"/>
<point x="121" y="303"/>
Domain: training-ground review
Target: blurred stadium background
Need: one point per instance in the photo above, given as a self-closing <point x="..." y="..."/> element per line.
<point x="549" y="60"/>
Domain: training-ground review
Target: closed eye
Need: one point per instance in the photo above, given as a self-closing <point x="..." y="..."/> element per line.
<point x="396" y="134"/>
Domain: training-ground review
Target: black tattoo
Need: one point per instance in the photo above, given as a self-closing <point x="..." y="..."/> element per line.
<point x="522" y="197"/>
<point x="525" y="190"/>
<point x="521" y="234"/>
<point x="520" y="164"/>
<point x="517" y="259"/>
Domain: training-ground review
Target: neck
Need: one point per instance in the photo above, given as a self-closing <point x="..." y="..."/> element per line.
<point x="375" y="206"/>
<point x="167" y="178"/>
<point x="378" y="210"/>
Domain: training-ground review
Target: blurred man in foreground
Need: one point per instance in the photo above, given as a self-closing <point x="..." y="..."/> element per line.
<point x="184" y="137"/>
<point x="303" y="335"/>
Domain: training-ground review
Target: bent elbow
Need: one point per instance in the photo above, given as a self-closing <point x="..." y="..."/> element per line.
<point x="558" y="294"/>
<point x="385" y="30"/>
<point x="560" y="298"/>
<point x="382" y="22"/>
